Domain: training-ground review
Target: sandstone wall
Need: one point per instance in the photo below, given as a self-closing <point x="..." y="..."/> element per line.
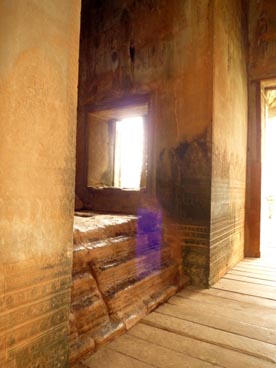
<point x="38" y="86"/>
<point x="229" y="137"/>
<point x="173" y="67"/>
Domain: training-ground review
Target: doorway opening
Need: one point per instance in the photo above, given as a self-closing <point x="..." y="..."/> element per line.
<point x="268" y="187"/>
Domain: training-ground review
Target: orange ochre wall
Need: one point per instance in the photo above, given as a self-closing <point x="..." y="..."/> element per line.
<point x="38" y="101"/>
<point x="229" y="137"/>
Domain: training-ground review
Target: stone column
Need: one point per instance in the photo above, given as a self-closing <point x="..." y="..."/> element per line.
<point x="39" y="42"/>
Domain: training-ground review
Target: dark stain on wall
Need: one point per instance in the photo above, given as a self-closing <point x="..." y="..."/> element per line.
<point x="183" y="179"/>
<point x="196" y="264"/>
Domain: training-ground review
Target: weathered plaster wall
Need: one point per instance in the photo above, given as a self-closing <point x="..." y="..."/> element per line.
<point x="229" y="137"/>
<point x="173" y="65"/>
<point x="38" y="86"/>
<point x="262" y="51"/>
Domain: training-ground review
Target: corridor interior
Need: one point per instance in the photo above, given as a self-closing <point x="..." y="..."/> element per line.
<point x="108" y="287"/>
<point x="230" y="325"/>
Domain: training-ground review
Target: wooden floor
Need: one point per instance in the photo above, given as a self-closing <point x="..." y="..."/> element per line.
<point x="231" y="325"/>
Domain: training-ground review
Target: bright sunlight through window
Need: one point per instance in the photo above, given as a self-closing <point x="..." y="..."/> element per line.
<point x="129" y="148"/>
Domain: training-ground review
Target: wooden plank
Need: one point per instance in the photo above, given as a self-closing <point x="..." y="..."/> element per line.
<point x="257" y="260"/>
<point x="254" y="300"/>
<point x="207" y="334"/>
<point x="230" y="300"/>
<point x="259" y="265"/>
<point x="246" y="288"/>
<point x="198" y="349"/>
<point x="260" y="262"/>
<point x="221" y="322"/>
<point x="252" y="275"/>
<point x="254" y="270"/>
<point x="256" y="273"/>
<point x="233" y="276"/>
<point x="156" y="355"/>
<point x="106" y="358"/>
<point x="258" y="326"/>
<point x="268" y="261"/>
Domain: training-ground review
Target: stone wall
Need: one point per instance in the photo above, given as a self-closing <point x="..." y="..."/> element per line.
<point x="229" y="137"/>
<point x="162" y="50"/>
<point x="262" y="49"/>
<point x="190" y="60"/>
<point x="99" y="152"/>
<point x="38" y="78"/>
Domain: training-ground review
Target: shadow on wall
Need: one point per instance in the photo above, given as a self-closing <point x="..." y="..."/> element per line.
<point x="183" y="179"/>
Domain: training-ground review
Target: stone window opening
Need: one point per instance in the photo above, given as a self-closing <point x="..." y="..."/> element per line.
<point x="117" y="155"/>
<point x="117" y="147"/>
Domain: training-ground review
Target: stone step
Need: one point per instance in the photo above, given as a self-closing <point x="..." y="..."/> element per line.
<point x="136" y="295"/>
<point x="111" y="275"/>
<point x="121" y="271"/>
<point x="87" y="305"/>
<point x="108" y="332"/>
<point x="80" y="347"/>
<point x="122" y="246"/>
<point x="112" y="250"/>
<point x="89" y="229"/>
